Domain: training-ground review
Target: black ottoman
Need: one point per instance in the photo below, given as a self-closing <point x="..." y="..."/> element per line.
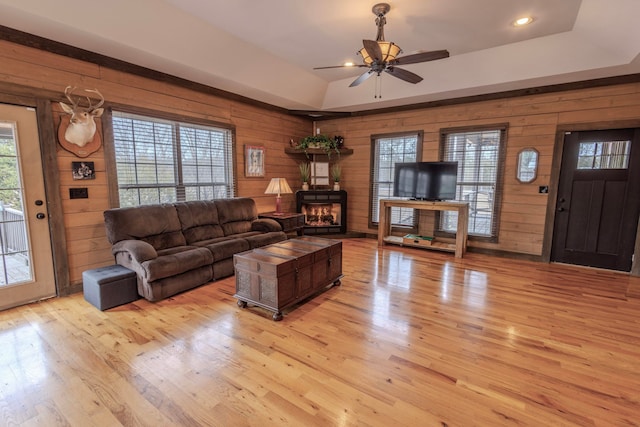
<point x="108" y="287"/>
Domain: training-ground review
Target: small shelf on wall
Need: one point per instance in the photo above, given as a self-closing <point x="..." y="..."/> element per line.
<point x="317" y="151"/>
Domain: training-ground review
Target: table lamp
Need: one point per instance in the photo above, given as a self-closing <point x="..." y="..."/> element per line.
<point x="278" y="186"/>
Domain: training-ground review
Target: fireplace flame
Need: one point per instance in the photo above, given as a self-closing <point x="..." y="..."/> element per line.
<point x="321" y="214"/>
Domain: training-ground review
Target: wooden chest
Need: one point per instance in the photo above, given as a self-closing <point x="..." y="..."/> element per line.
<point x="277" y="276"/>
<point x="327" y="258"/>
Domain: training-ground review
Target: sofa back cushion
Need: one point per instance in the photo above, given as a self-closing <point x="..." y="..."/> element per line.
<point x="157" y="225"/>
<point x="235" y="215"/>
<point x="199" y="219"/>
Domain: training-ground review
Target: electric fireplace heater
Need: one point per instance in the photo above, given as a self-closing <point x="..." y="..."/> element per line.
<point x="325" y="211"/>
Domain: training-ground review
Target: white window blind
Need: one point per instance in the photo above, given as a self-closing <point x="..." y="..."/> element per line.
<point x="479" y="175"/>
<point x="386" y="152"/>
<point x="162" y="161"/>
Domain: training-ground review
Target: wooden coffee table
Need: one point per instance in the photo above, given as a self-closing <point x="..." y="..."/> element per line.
<point x="278" y="276"/>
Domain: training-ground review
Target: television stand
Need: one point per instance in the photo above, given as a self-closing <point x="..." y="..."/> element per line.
<point x="460" y="246"/>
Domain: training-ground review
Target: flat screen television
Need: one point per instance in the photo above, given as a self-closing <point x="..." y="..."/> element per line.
<point x="426" y="180"/>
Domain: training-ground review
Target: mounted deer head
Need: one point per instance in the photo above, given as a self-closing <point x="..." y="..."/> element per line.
<point x="82" y="126"/>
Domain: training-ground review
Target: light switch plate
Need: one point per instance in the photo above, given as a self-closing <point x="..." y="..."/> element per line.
<point x="79" y="193"/>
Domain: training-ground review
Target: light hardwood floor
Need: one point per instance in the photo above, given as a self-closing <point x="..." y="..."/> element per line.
<point x="411" y="338"/>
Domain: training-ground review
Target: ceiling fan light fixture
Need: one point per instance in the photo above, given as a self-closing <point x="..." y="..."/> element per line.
<point x="382" y="56"/>
<point x="389" y="51"/>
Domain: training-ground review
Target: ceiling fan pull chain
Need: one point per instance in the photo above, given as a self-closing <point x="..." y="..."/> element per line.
<point x="375" y="87"/>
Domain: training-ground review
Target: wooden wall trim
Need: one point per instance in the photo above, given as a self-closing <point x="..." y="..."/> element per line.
<point x="48" y="145"/>
<point x="17" y="95"/>
<point x="635" y="265"/>
<point x="554" y="179"/>
<point x="171" y="116"/>
<point x="108" y="146"/>
<point x="516" y="93"/>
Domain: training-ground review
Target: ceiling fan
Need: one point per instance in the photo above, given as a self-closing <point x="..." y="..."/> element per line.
<point x="381" y="55"/>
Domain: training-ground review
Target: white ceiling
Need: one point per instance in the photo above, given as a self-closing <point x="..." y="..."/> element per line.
<point x="266" y="49"/>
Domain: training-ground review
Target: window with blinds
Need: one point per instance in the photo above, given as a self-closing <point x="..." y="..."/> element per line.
<point x="162" y="161"/>
<point x="480" y="170"/>
<point x="386" y="151"/>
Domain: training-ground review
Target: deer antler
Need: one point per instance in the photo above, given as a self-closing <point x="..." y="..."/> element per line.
<point x="68" y="93"/>
<point x="99" y="104"/>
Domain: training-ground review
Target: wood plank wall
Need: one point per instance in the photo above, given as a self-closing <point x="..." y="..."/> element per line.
<point x="48" y="73"/>
<point x="533" y="122"/>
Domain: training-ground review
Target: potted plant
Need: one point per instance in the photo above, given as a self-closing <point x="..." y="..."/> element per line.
<point x="336" y="172"/>
<point x="323" y="142"/>
<point x="305" y="174"/>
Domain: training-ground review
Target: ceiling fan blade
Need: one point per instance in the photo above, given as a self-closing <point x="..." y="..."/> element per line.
<point x="405" y="75"/>
<point x="342" y="66"/>
<point x="421" y="57"/>
<point x="362" y="78"/>
<point x="373" y="49"/>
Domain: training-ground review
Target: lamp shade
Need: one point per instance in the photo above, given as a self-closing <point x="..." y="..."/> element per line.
<point x="278" y="186"/>
<point x="389" y="52"/>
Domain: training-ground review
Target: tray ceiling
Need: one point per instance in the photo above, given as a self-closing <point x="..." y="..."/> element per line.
<point x="266" y="50"/>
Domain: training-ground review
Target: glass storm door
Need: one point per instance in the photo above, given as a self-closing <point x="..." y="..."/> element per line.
<point x="26" y="261"/>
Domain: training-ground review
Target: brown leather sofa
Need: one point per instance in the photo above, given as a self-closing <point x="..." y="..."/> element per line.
<point x="173" y="247"/>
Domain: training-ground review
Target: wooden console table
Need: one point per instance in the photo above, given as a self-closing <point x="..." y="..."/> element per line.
<point x="384" y="227"/>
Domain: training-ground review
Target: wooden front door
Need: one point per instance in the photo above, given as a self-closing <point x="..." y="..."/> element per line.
<point x="598" y="199"/>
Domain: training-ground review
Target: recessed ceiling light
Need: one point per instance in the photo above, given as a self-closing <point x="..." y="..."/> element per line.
<point x="523" y="21"/>
<point x="349" y="64"/>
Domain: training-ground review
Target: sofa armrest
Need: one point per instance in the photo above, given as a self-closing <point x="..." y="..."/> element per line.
<point x="265" y="225"/>
<point x="138" y="250"/>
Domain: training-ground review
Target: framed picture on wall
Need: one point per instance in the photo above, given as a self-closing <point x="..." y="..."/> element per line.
<point x="253" y="161"/>
<point x="320" y="173"/>
<point x="83" y="170"/>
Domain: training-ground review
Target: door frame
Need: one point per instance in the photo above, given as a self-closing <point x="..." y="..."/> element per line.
<point x="554" y="182"/>
<point x="41" y="101"/>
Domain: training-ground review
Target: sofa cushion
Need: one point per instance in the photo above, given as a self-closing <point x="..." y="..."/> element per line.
<point x="199" y="220"/>
<point x="236" y="215"/>
<point x="227" y="248"/>
<point x="171" y="262"/>
<point x="163" y="288"/>
<point x="157" y="225"/>
<point x="265" y="225"/>
<point x="263" y="239"/>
